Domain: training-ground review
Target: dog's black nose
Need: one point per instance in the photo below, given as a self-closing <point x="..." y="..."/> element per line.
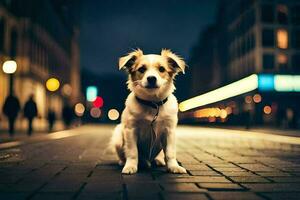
<point x="151" y="80"/>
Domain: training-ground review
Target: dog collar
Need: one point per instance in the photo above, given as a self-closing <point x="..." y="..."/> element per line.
<point x="152" y="104"/>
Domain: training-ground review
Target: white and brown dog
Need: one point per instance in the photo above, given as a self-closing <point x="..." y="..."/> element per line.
<point x="149" y="120"/>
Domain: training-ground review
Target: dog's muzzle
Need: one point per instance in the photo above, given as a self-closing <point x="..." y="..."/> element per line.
<point x="151" y="82"/>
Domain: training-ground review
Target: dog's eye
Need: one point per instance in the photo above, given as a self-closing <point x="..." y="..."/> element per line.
<point x="161" y="69"/>
<point x="142" y="69"/>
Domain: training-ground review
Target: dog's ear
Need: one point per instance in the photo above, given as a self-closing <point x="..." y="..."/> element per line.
<point x="126" y="62"/>
<point x="176" y="62"/>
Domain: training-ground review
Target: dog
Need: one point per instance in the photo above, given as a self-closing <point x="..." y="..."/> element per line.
<point x="147" y="129"/>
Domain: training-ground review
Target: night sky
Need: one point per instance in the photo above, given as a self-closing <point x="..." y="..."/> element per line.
<point x="111" y="28"/>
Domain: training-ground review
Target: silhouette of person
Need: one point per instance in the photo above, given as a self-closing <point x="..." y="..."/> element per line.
<point x="67" y="115"/>
<point x="30" y="112"/>
<point x="11" y="109"/>
<point x="51" y="119"/>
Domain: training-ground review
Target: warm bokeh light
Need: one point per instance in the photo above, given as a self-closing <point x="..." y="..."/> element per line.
<point x="79" y="109"/>
<point x="95" y="112"/>
<point x="67" y="90"/>
<point x="282" y="38"/>
<point x="52" y="84"/>
<point x="113" y="114"/>
<point x="239" y="87"/>
<point x="9" y="67"/>
<point x="211" y="112"/>
<point x="248" y="99"/>
<point x="257" y="98"/>
<point x="223" y="113"/>
<point x="282" y="58"/>
<point x="228" y="110"/>
<point x="98" y="102"/>
<point x="267" y="110"/>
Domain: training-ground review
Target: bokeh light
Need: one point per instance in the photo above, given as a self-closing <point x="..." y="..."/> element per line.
<point x="95" y="112"/>
<point x="267" y="110"/>
<point x="248" y="99"/>
<point x="9" y="67"/>
<point x="79" y="109"/>
<point x="113" y="114"/>
<point x="98" y="102"/>
<point x="91" y="93"/>
<point x="52" y="84"/>
<point x="257" y="98"/>
<point x="67" y="90"/>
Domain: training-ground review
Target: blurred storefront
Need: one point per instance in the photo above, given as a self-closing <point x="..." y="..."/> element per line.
<point x="44" y="44"/>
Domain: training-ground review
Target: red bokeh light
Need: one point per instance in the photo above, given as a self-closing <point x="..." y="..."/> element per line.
<point x="98" y="102"/>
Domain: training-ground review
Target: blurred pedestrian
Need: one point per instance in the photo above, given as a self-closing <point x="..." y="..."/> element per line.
<point x="11" y="109"/>
<point x="30" y="112"/>
<point x="67" y="115"/>
<point x="51" y="119"/>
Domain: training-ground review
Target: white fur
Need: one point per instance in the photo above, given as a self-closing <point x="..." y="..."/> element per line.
<point x="134" y="130"/>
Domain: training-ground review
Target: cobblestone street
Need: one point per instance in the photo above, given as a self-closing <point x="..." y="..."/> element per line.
<point x="221" y="164"/>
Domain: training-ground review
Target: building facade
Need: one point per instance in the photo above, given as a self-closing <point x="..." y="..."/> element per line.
<point x="37" y="35"/>
<point x="256" y="37"/>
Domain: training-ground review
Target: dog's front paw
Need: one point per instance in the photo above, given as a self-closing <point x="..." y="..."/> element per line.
<point x="129" y="169"/>
<point x="176" y="169"/>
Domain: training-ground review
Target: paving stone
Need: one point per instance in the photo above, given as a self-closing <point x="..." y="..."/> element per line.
<point x="62" y="186"/>
<point x="103" y="187"/>
<point x="52" y="195"/>
<point x="102" y="196"/>
<point x="239" y="173"/>
<point x="135" y="189"/>
<point x="258" y="167"/>
<point x="197" y="167"/>
<point x="14" y="196"/>
<point x="249" y="179"/>
<point x="182" y="187"/>
<point x="185" y="196"/>
<point x="229" y="195"/>
<point x="198" y="179"/>
<point x="229" y="169"/>
<point x="273" y="187"/>
<point x="220" y="186"/>
<point x="273" y="174"/>
<point x="204" y="173"/>
<point x="286" y="179"/>
<point x="282" y="195"/>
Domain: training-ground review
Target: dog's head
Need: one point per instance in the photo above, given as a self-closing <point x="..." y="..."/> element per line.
<point x="151" y="76"/>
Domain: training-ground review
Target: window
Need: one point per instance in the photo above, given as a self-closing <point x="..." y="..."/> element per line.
<point x="267" y="13"/>
<point x="268" y="61"/>
<point x="296" y="38"/>
<point x="296" y="62"/>
<point x="282" y="14"/>
<point x="268" y="38"/>
<point x="282" y="60"/>
<point x="282" y="38"/>
<point x="295" y="14"/>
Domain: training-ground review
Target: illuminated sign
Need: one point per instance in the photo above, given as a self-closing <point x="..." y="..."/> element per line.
<point x="91" y="93"/>
<point x="266" y="82"/>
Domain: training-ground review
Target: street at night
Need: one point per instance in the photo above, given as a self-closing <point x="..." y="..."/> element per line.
<point x="152" y="99"/>
<point x="221" y="164"/>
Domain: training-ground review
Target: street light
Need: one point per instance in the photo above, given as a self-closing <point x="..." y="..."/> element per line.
<point x="10" y="67"/>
